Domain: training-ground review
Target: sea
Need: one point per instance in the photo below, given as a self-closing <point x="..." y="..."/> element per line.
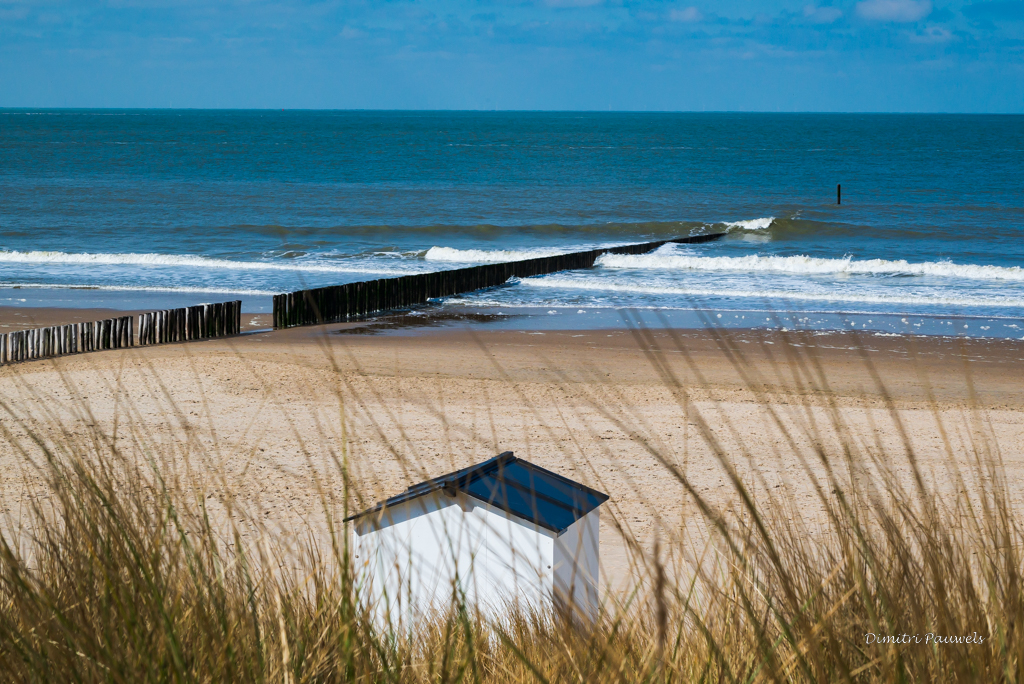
<point x="149" y="209"/>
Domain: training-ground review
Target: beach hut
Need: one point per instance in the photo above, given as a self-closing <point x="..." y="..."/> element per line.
<point x="498" y="534"/>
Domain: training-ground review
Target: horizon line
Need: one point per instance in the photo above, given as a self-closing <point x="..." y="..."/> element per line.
<point x="507" y="111"/>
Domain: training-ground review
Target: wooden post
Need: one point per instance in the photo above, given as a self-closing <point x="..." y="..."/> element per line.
<point x="839" y="194"/>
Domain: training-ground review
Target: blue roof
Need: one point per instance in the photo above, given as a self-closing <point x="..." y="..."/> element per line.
<point x="527" y="491"/>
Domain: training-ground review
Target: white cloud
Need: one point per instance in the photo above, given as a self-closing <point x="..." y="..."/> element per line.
<point x="690" y="14"/>
<point x="822" y="15"/>
<point x="894" y="10"/>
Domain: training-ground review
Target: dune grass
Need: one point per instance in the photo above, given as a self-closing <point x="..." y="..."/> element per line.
<point x="119" y="573"/>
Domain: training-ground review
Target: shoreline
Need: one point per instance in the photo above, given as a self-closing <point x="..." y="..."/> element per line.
<point x="457" y="315"/>
<point x="85" y="298"/>
<point x="916" y="368"/>
<point x="23" y="318"/>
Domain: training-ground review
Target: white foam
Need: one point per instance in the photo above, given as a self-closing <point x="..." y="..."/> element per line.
<point x="835" y="296"/>
<point x="451" y="254"/>
<point x="186" y="260"/>
<point x="139" y="288"/>
<point x="805" y="265"/>
<point x="752" y="224"/>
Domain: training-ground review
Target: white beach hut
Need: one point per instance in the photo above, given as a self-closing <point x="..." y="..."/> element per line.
<point x="500" y="533"/>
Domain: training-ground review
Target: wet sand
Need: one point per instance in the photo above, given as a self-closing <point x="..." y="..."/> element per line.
<point x="268" y="418"/>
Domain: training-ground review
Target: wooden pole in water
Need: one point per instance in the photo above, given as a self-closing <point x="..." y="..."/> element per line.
<point x="839" y="193"/>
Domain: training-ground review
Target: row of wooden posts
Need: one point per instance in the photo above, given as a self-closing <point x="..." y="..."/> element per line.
<point x="57" y="340"/>
<point x="354" y="300"/>
<point x="191" y="323"/>
<point x="174" y="325"/>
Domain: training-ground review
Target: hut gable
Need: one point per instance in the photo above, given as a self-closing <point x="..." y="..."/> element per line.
<point x="513" y="485"/>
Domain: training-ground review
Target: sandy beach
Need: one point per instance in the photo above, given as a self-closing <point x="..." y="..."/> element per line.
<point x="723" y="300"/>
<point x="268" y="418"/>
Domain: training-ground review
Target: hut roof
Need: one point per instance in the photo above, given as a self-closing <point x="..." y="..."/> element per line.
<point x="516" y="486"/>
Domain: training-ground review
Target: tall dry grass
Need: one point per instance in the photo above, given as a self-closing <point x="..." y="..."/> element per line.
<point x="119" y="573"/>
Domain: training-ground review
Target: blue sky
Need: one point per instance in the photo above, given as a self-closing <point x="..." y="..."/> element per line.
<point x="857" y="55"/>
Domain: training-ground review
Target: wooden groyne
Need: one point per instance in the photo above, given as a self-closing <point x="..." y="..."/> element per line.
<point x="73" y="338"/>
<point x="304" y="307"/>
<point x="201" y="322"/>
<point x="353" y="300"/>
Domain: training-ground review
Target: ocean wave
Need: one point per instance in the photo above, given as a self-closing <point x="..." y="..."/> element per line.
<point x="186" y="260"/>
<point x="450" y="254"/>
<point x="751" y="224"/>
<point x="805" y="265"/>
<point x="837" y="296"/>
<point x="139" y="288"/>
<point x="611" y="230"/>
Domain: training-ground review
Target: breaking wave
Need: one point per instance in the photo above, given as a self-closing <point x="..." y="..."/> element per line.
<point x="896" y="298"/>
<point x="186" y="260"/>
<point x="751" y="224"/>
<point x="138" y="288"/>
<point x="805" y="265"/>
<point x="450" y="254"/>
